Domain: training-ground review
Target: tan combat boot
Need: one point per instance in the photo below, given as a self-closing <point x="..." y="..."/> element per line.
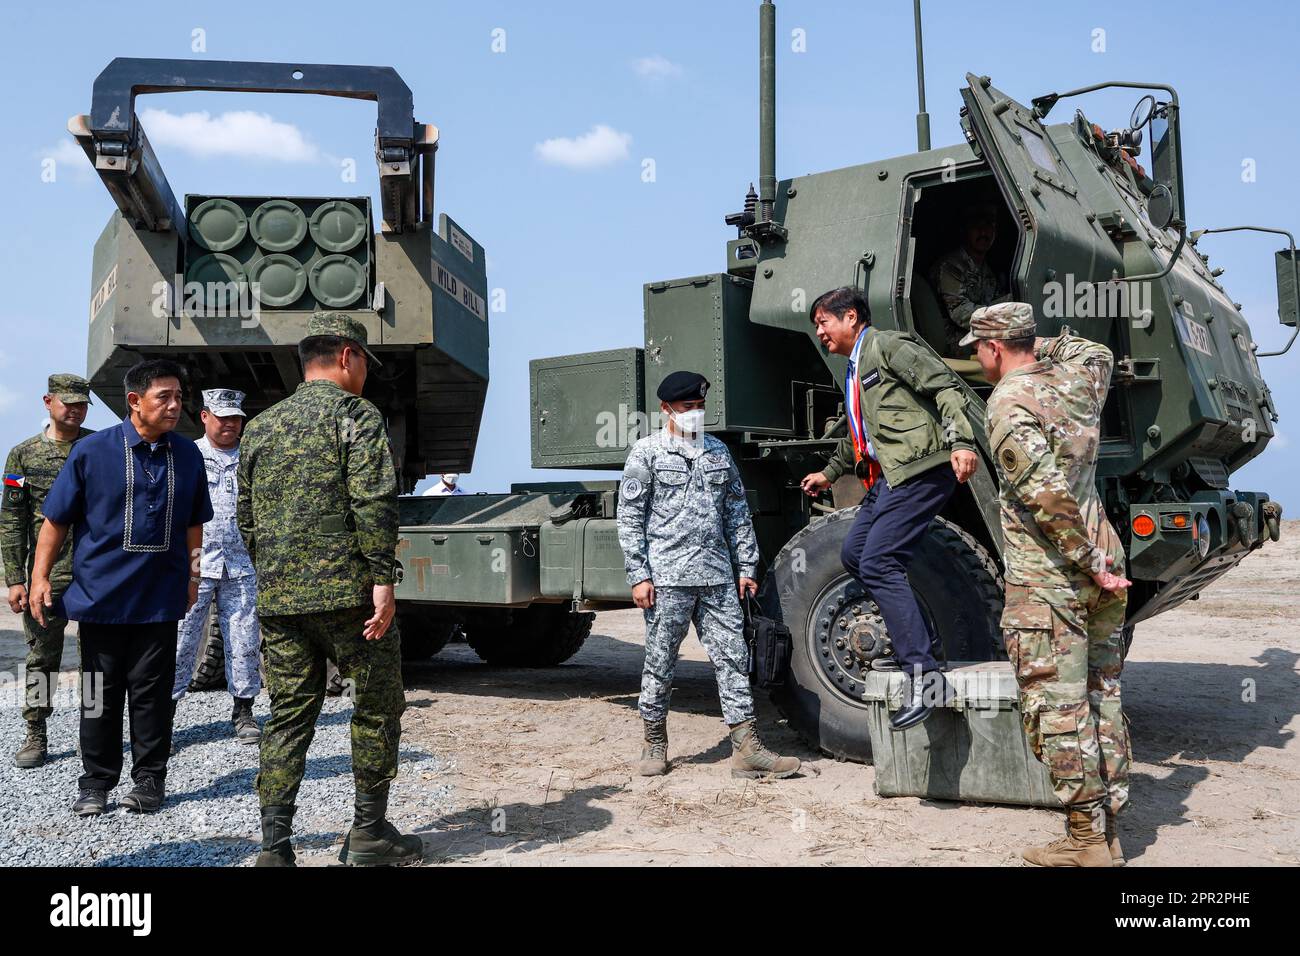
<point x="34" y="749"/>
<point x="1084" y="844"/>
<point x="654" y="754"/>
<point x="1112" y="841"/>
<point x="749" y="758"/>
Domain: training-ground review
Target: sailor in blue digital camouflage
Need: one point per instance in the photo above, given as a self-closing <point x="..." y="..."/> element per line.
<point x="228" y="578"/>
<point x="690" y="553"/>
<point x="1066" y="593"/>
<point x="30" y="470"/>
<point x="317" y="509"/>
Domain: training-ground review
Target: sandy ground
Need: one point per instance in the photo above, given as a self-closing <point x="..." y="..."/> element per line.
<point x="541" y="761"/>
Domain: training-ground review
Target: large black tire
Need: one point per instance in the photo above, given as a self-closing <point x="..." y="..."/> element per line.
<point x="210" y="671"/>
<point x="541" y="635"/>
<point x="957" y="585"/>
<point x="425" y="630"/>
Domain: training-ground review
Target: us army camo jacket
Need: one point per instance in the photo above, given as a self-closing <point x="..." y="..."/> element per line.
<point x="682" y="516"/>
<point x="317" y="504"/>
<point x="223" y="547"/>
<point x="1044" y="427"/>
<point x="30" y="470"/>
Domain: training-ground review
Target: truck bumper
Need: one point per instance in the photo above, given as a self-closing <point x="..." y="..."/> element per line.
<point x="1183" y="546"/>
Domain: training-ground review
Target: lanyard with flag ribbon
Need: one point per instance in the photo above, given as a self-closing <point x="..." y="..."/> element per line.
<point x="853" y="409"/>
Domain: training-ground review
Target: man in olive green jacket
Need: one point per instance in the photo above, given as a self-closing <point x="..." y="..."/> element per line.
<point x="911" y="443"/>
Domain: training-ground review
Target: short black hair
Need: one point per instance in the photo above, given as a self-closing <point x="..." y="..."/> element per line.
<point x="318" y="348"/>
<point x="838" y="301"/>
<point x="141" y="375"/>
<point x="1020" y="345"/>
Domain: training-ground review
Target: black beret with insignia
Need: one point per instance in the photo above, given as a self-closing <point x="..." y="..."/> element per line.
<point x="683" y="387"/>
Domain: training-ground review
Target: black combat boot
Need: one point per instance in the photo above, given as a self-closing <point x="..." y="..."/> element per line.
<point x="34" y="750"/>
<point x="373" y="841"/>
<point x="277" y="827"/>
<point x="246" y="729"/>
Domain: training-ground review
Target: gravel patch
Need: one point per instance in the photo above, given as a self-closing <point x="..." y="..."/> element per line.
<point x="210" y="816"/>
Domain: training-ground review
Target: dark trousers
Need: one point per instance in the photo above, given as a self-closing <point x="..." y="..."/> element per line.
<point x="131" y="664"/>
<point x="889" y="525"/>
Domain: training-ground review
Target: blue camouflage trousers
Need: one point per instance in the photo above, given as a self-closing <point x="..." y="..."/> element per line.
<point x="236" y="600"/>
<point x="719" y="625"/>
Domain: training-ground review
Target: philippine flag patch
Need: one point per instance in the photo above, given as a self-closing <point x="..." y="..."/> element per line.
<point x="14" y="481"/>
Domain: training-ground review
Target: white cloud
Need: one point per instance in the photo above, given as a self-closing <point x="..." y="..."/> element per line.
<point x="235" y="133"/>
<point x="599" y="146"/>
<point x="656" y="67"/>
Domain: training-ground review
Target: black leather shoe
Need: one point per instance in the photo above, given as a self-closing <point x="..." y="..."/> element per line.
<point x="916" y="702"/>
<point x="146" y="796"/>
<point x="90" y="803"/>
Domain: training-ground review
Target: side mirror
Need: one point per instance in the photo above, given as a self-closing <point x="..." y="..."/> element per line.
<point x="1160" y="206"/>
<point x="1166" y="160"/>
<point x="1288" y="296"/>
<point x="1141" y="114"/>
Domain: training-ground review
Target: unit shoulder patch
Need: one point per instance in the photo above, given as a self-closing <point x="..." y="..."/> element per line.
<point x="631" y="489"/>
<point x="1012" y="459"/>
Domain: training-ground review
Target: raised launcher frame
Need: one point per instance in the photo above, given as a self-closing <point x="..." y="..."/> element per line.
<point x="424" y="296"/>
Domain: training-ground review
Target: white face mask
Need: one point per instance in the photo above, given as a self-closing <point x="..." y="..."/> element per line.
<point x="689" y="422"/>
<point x="450" y="479"/>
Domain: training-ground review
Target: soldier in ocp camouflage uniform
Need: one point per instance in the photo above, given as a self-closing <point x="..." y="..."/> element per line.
<point x="228" y="578"/>
<point x="318" y="513"/>
<point x="1066" y="596"/>
<point x="690" y="551"/>
<point x="30" y="470"/>
<point x="963" y="280"/>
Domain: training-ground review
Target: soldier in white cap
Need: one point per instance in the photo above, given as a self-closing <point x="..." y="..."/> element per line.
<point x="226" y="569"/>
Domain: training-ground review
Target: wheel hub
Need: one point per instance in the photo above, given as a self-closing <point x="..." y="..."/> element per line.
<point x="849" y="634"/>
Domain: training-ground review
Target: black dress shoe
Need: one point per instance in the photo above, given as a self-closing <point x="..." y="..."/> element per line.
<point x="90" y="803"/>
<point x="146" y="796"/>
<point x="917" y="701"/>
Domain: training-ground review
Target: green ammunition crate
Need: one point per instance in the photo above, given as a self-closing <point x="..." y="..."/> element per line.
<point x="973" y="749"/>
<point x="582" y="560"/>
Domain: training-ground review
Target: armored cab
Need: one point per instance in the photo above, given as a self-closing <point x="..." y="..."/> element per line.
<point x="226" y="284"/>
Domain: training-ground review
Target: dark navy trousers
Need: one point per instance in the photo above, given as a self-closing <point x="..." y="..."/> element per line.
<point x="887" y="529"/>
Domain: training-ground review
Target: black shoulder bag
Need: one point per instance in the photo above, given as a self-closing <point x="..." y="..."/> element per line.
<point x="769" y="646"/>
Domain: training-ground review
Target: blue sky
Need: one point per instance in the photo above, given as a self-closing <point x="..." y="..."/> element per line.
<point x="572" y="244"/>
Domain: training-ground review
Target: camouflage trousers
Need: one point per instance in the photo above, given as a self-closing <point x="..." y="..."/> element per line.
<point x="719" y="624"/>
<point x="295" y="647"/>
<point x="236" y="601"/>
<point x="44" y="655"/>
<point x="1067" y="647"/>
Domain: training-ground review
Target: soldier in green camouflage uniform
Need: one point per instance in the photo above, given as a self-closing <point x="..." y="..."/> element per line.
<point x="30" y="470"/>
<point x="317" y="509"/>
<point x="963" y="280"/>
<point x="1066" y="595"/>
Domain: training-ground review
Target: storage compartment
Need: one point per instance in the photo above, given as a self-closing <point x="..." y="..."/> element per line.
<point x="973" y="749"/>
<point x="701" y="324"/>
<point x="582" y="560"/>
<point x="587" y="410"/>
<point x="487" y="565"/>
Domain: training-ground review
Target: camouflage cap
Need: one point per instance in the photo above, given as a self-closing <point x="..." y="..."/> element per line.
<point x="344" y="326"/>
<point x="224" y="401"/>
<point x="69" y="388"/>
<point x="1005" y="320"/>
